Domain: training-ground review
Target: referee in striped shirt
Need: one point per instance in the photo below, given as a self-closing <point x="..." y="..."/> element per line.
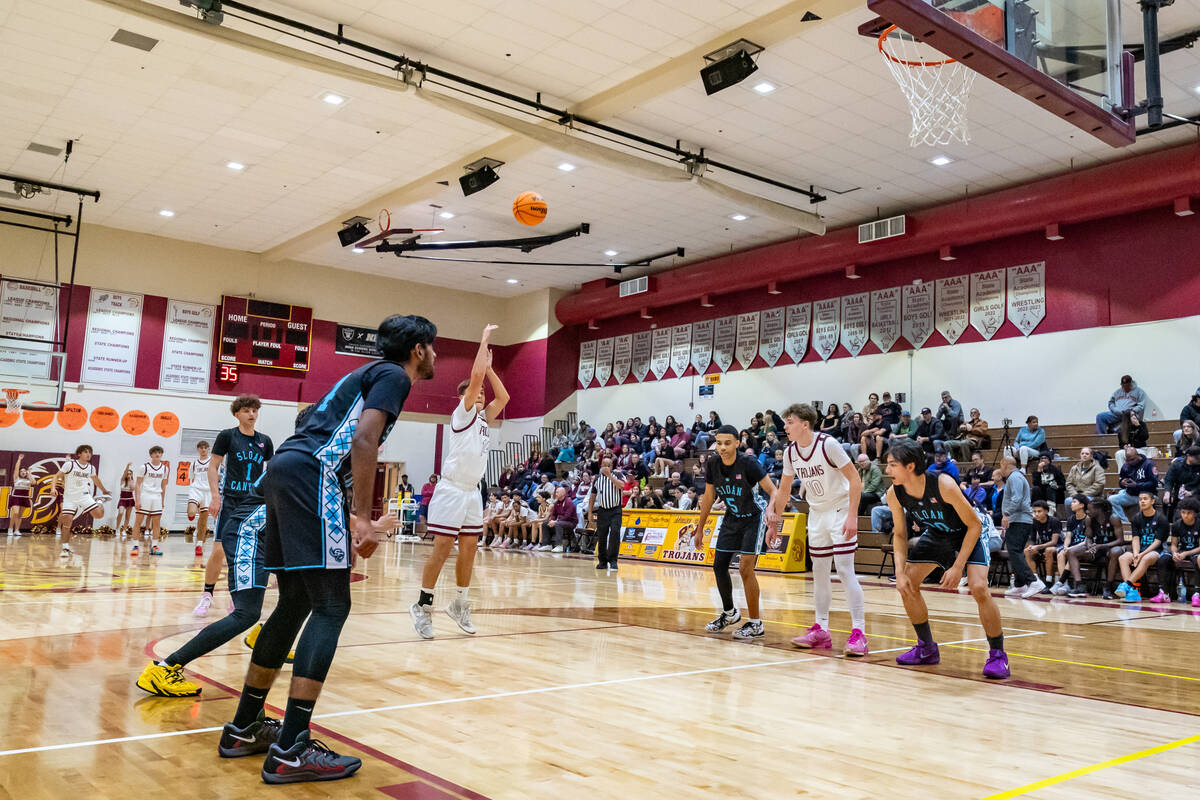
<point x="604" y="507"/>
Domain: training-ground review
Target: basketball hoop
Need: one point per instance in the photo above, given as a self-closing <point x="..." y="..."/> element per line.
<point x="937" y="88"/>
<point x="12" y="399"/>
<point x="385" y="220"/>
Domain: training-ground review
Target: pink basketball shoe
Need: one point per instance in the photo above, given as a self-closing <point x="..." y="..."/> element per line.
<point x="856" y="645"/>
<point x="817" y="637"/>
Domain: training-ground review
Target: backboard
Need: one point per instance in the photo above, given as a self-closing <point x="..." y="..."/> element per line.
<point x="1064" y="55"/>
<point x="31" y="345"/>
<point x="39" y="371"/>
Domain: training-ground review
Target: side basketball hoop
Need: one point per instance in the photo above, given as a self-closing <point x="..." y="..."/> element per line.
<point x="937" y="88"/>
<point x="12" y="399"/>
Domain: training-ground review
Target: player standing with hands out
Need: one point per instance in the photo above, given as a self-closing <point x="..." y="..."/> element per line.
<point x="832" y="487"/>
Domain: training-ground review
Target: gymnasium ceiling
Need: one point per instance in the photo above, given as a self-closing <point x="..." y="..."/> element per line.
<point x="157" y="129"/>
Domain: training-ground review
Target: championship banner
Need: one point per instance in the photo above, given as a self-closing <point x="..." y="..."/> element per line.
<point x="604" y="356"/>
<point x="667" y="535"/>
<point x="916" y="315"/>
<point x="187" y="346"/>
<point x="856" y="322"/>
<point x="885" y="318"/>
<point x="953" y="307"/>
<point x="640" y="363"/>
<point x="110" y="341"/>
<point x="681" y="348"/>
<point x="622" y="353"/>
<point x="723" y="340"/>
<point x="702" y="345"/>
<point x="660" y="352"/>
<point x="30" y="311"/>
<point x="795" y="334"/>
<point x="747" y="339"/>
<point x="987" y="302"/>
<point x="1027" y="296"/>
<point x="587" y="363"/>
<point x="826" y="326"/>
<point x="770" y="335"/>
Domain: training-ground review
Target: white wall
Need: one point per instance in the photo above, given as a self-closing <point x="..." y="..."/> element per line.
<point x="1063" y="378"/>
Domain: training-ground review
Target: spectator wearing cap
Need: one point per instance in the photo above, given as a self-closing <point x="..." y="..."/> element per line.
<point x="1048" y="483"/>
<point x="942" y="463"/>
<point x="929" y="430"/>
<point x="1029" y="442"/>
<point x="1127" y="399"/>
<point x="1182" y="479"/>
<point x="1191" y="412"/>
<point x="971" y="435"/>
<point x="1137" y="476"/>
<point x="872" y="483"/>
<point x="949" y="413"/>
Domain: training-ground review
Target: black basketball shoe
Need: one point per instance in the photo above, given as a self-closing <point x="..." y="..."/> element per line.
<point x="307" y="760"/>
<point x="254" y="738"/>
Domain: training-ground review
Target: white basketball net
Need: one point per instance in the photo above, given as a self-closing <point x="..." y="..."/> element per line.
<point x="12" y="399"/>
<point x="937" y="88"/>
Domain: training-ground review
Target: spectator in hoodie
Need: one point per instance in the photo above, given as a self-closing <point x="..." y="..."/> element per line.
<point x="975" y="493"/>
<point x="1048" y="483"/>
<point x="1138" y="475"/>
<point x="1182" y="480"/>
<point x="942" y="463"/>
<point x="930" y="431"/>
<point x="1139" y="437"/>
<point x="853" y="429"/>
<point x="1030" y="441"/>
<point x="1127" y="399"/>
<point x="949" y="413"/>
<point x="969" y="436"/>
<point x="1086" y="477"/>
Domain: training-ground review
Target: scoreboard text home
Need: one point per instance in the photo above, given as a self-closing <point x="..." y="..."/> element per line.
<point x="256" y="333"/>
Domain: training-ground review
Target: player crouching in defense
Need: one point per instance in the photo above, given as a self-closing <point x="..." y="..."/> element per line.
<point x="456" y="509"/>
<point x="950" y="539"/>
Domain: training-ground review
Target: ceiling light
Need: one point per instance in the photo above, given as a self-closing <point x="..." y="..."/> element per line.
<point x="764" y="87"/>
<point x="941" y="161"/>
<point x="235" y="166"/>
<point x="446" y="215"/>
<point x="358" y="250"/>
<point x="565" y="167"/>
<point x="333" y="99"/>
<point x="610" y="253"/>
<point x="1196" y="90"/>
<point x="512" y="280"/>
<point x="738" y="217"/>
<point x="166" y="212"/>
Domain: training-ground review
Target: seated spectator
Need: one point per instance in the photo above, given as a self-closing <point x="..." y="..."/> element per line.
<point x="1139" y="437"/>
<point x="566" y="454"/>
<point x="969" y="436"/>
<point x="831" y="423"/>
<point x="906" y="428"/>
<point x="875" y="433"/>
<point x="562" y="521"/>
<point x="853" y="429"/>
<point x="1048" y="483"/>
<point x="625" y="458"/>
<point x="889" y="411"/>
<point x="975" y="493"/>
<point x="701" y="433"/>
<point x="942" y="463"/>
<point x="1190" y="413"/>
<point x="978" y="469"/>
<point x="1151" y="532"/>
<point x="1187" y="435"/>
<point x="1029" y="442"/>
<point x="1182" y="480"/>
<point x="1184" y="550"/>
<point x="1043" y="540"/>
<point x="638" y="469"/>
<point x="930" y="432"/>
<point x="698" y="478"/>
<point x="949" y="413"/>
<point x="681" y="442"/>
<point x="1138" y="475"/>
<point x="1127" y="399"/>
<point x="872" y="483"/>
<point x="1086" y="477"/>
<point x="774" y="466"/>
<point x="995" y="496"/>
<point x="688" y="501"/>
<point x="581" y="434"/>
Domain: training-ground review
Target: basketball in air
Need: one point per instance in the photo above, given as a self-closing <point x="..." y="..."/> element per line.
<point x="529" y="208"/>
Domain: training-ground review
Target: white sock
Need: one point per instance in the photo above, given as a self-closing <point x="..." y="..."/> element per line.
<point x="756" y="621"/>
<point x="462" y="593"/>
<point x="822" y="590"/>
<point x="854" y="592"/>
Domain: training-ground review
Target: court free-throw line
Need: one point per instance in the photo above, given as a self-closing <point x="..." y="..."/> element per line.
<point x="427" y="703"/>
<point x="1076" y="773"/>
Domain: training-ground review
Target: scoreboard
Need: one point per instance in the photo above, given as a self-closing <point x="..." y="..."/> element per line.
<point x="257" y="333"/>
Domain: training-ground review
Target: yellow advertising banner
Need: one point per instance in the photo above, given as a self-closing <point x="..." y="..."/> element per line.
<point x="668" y="535"/>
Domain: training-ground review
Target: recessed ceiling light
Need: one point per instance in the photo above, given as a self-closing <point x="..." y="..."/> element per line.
<point x="235" y="166"/>
<point x="566" y="167"/>
<point x="512" y="280"/>
<point x="446" y="215"/>
<point x="166" y="212"/>
<point x="764" y="87"/>
<point x="610" y="253"/>
<point x="358" y="250"/>
<point x="738" y="217"/>
<point x="1196" y="90"/>
<point x="941" y="161"/>
<point x="333" y="99"/>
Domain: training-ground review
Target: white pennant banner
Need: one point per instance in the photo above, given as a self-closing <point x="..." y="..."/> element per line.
<point x="770" y="335"/>
<point x="916" y="315"/>
<point x="826" y="326"/>
<point x="795" y="336"/>
<point x="953" y="306"/>
<point x="641" y="355"/>
<point x="1027" y="296"/>
<point x="622" y="354"/>
<point x="604" y="357"/>
<point x="885" y="318"/>
<point x="660" y="352"/>
<point x="702" y="345"/>
<point x="856" y="322"/>
<point x="723" y="341"/>
<point x="987" y="302"/>
<point x="681" y="348"/>
<point x="747" y="339"/>
<point x="587" y="363"/>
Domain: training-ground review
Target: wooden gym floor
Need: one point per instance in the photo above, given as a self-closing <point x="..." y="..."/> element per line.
<point x="582" y="684"/>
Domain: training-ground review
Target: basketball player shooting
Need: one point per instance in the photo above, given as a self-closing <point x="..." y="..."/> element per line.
<point x="949" y="539"/>
<point x="78" y="480"/>
<point x="832" y="487"/>
<point x="456" y="510"/>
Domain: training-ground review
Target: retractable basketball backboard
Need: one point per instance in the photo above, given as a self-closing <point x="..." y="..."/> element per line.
<point x="1064" y="55"/>
<point x="32" y="357"/>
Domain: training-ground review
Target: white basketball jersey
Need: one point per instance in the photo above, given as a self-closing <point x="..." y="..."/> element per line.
<point x="466" y="460"/>
<point x="818" y="468"/>
<point x="200" y="473"/>
<point x="153" y="477"/>
<point x="78" y="479"/>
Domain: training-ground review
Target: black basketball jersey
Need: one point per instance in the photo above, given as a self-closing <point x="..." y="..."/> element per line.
<point x="930" y="512"/>
<point x="735" y="483"/>
<point x="1187" y="537"/>
<point x="244" y="459"/>
<point x="1148" y="529"/>
<point x="1077" y="530"/>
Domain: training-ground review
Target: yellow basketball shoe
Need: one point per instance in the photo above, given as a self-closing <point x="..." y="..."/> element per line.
<point x="166" y="681"/>
<point x="252" y="637"/>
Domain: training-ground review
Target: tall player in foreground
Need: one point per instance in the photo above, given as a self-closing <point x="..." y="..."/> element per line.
<point x="733" y="476"/>
<point x="832" y="487"/>
<point x="950" y="539"/>
<point x="456" y="510"/>
<point x="310" y="528"/>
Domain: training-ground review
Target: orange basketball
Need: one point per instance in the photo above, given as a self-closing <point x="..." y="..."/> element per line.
<point x="529" y="208"/>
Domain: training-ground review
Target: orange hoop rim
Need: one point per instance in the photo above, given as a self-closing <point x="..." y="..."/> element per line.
<point x="384" y="220"/>
<point x="12" y="394"/>
<point x="887" y="32"/>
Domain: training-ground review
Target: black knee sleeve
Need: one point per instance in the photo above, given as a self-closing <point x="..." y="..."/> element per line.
<point x="279" y="631"/>
<point x="329" y="592"/>
<point x="724" y="582"/>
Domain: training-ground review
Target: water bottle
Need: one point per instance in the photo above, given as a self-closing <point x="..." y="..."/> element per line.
<point x="1012" y="581"/>
<point x="1182" y="595"/>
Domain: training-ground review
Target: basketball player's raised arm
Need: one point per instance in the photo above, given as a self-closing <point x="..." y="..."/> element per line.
<point x="954" y="497"/>
<point x="364" y="458"/>
<point x="499" y="394"/>
<point x="479" y="368"/>
<point x="706" y="504"/>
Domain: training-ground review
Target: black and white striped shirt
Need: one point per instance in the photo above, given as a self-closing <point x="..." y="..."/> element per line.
<point x="608" y="493"/>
